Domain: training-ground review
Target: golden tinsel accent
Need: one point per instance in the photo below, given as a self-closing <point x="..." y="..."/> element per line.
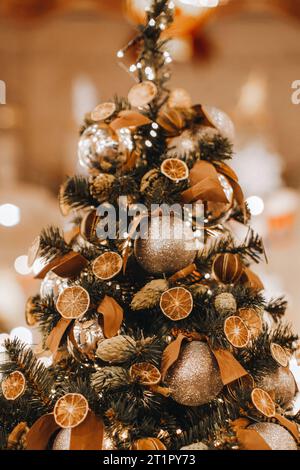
<point x="149" y="295"/>
<point x="101" y="185"/>
<point x="116" y="349"/>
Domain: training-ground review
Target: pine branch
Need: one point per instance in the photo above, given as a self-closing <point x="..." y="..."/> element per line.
<point x="276" y="308"/>
<point x="39" y="381"/>
<point x="52" y="243"/>
<point x="44" y="311"/>
<point x="76" y="193"/>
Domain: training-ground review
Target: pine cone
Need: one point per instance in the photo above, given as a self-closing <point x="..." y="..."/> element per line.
<point x="149" y="295"/>
<point x="225" y="303"/>
<point x="101" y="186"/>
<point x="117" y="349"/>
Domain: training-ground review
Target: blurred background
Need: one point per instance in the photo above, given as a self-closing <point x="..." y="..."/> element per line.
<point x="58" y="60"/>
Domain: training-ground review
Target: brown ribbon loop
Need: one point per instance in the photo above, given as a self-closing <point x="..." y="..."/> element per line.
<point x="183" y="273"/>
<point x="230" y="368"/>
<point x="40" y="432"/>
<point x="88" y="435"/>
<point x="129" y="118"/>
<point x="289" y="425"/>
<point x="171" y="354"/>
<point x="55" y="336"/>
<point x="248" y="438"/>
<point x="112" y="316"/>
<point x="225" y="170"/>
<point x="205" y="184"/>
<point x="68" y="265"/>
<point x="251" y="279"/>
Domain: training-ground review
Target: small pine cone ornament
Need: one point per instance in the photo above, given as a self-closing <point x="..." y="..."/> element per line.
<point x="101" y="186"/>
<point x="225" y="303"/>
<point x="117" y="349"/>
<point x="149" y="295"/>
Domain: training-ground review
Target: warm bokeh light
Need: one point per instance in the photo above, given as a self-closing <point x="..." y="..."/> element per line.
<point x="256" y="205"/>
<point x="9" y="215"/>
<point x="22" y="333"/>
<point x="200" y="3"/>
<point x="21" y="265"/>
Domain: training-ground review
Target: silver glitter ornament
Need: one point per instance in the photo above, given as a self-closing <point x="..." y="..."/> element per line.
<point x="86" y="335"/>
<point x="277" y="437"/>
<point x="63" y="440"/>
<point x="166" y="246"/>
<point x="195" y="377"/>
<point x="195" y="446"/>
<point x="52" y="285"/>
<point x="97" y="144"/>
<point x="282" y="383"/>
<point x="188" y="141"/>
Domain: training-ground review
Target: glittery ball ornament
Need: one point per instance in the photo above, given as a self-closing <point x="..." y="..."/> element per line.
<point x="52" y="285"/>
<point x="97" y="146"/>
<point x="277" y="437"/>
<point x="166" y="245"/>
<point x="85" y="337"/>
<point x="225" y="303"/>
<point x="282" y="383"/>
<point x="195" y="377"/>
<point x="195" y="446"/>
<point x="63" y="439"/>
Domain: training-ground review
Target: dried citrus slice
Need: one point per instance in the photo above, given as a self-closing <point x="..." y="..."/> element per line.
<point x="103" y="111"/>
<point x="142" y="93"/>
<point x="252" y="319"/>
<point x="70" y="410"/>
<point x="176" y="303"/>
<point x="236" y="332"/>
<point x="13" y="385"/>
<point x="73" y="302"/>
<point x="174" y="169"/>
<point x="279" y="354"/>
<point x="108" y="265"/>
<point x="263" y="402"/>
<point x="145" y="373"/>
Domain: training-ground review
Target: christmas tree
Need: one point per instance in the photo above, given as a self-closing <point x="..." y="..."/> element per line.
<point x="156" y="324"/>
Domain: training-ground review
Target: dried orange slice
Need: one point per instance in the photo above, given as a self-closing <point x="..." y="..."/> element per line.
<point x="174" y="169"/>
<point x="73" y="302"/>
<point x="108" y="265"/>
<point x="13" y="385"/>
<point x="142" y="93"/>
<point x="176" y="303"/>
<point x="70" y="410"/>
<point x="236" y="332"/>
<point x="252" y="319"/>
<point x="103" y="111"/>
<point x="263" y="402"/>
<point x="279" y="354"/>
<point x="145" y="373"/>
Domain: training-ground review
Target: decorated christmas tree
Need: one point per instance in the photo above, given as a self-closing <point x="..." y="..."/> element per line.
<point x="155" y="321"/>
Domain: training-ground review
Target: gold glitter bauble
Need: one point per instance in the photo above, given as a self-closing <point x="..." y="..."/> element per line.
<point x="195" y="377"/>
<point x="277" y="437"/>
<point x="63" y="439"/>
<point x="195" y="446"/>
<point x="282" y="383"/>
<point x="166" y="246"/>
<point x="225" y="303"/>
<point x="85" y="337"/>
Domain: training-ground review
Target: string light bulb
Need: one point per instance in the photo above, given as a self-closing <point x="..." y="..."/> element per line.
<point x="120" y="54"/>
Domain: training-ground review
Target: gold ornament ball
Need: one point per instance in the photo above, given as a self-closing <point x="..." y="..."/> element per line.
<point x="282" y="383"/>
<point x="225" y="303"/>
<point x="195" y="446"/>
<point x="166" y="245"/>
<point x="85" y="337"/>
<point x="277" y="437"/>
<point x="195" y="377"/>
<point x="63" y="439"/>
<point x="97" y="144"/>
